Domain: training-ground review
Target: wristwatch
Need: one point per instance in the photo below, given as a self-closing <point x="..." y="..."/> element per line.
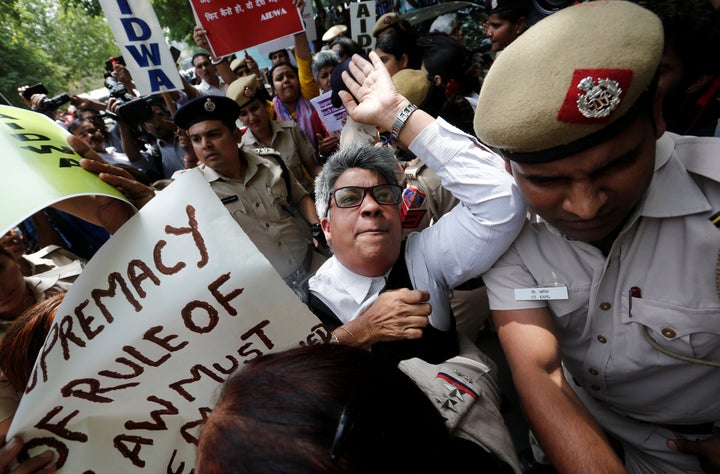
<point x="401" y="118"/>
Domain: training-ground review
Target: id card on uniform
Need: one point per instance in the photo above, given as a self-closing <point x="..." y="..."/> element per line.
<point x="545" y="293"/>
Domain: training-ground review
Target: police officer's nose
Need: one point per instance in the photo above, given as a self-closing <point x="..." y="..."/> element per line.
<point x="584" y="199"/>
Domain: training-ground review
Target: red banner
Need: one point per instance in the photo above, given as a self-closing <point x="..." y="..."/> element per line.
<point x="235" y="25"/>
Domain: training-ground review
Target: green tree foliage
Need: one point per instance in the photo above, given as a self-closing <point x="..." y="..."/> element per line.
<point x="64" y="47"/>
<point x="177" y="18"/>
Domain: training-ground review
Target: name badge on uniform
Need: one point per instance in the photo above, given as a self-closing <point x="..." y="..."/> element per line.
<point x="546" y="293"/>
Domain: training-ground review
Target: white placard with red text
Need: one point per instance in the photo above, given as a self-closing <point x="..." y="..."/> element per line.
<point x="177" y="300"/>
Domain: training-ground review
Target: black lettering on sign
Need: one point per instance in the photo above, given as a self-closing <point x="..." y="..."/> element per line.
<point x="93" y="390"/>
<point x="121" y="442"/>
<point x="156" y="415"/>
<point x="60" y="448"/>
<point x="195" y="232"/>
<point x="60" y="429"/>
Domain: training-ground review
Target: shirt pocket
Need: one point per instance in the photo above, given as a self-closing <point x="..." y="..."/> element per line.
<point x="660" y="330"/>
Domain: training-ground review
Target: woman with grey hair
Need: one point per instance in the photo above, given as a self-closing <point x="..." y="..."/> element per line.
<point x="322" y="67"/>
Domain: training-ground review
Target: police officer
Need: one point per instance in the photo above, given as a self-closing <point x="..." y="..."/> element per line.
<point x="253" y="188"/>
<point x="615" y="282"/>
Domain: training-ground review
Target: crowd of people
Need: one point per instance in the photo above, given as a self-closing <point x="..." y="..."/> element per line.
<point x="564" y="200"/>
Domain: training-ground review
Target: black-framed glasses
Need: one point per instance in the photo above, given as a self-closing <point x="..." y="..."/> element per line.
<point x="352" y="196"/>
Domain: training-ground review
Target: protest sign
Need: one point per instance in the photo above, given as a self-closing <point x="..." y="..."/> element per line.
<point x="362" y="22"/>
<point x="288" y="42"/>
<point x="142" y="42"/>
<point x="332" y="116"/>
<point x="259" y="20"/>
<point x="177" y="300"/>
<point x="40" y="168"/>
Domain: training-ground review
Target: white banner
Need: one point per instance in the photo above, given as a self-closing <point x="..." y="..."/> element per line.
<point x="177" y="300"/>
<point x="362" y="22"/>
<point x="142" y="43"/>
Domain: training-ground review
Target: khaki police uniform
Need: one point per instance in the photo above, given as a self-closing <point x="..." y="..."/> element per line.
<point x="659" y="279"/>
<point x="293" y="147"/>
<point x="262" y="207"/>
<point x="638" y="329"/>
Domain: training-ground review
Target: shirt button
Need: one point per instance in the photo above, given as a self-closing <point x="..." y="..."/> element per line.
<point x="668" y="333"/>
<point x="257" y="204"/>
<point x="605" y="306"/>
<point x="593" y="371"/>
<point x="267" y="224"/>
<point x="602" y="339"/>
<point x="594" y="388"/>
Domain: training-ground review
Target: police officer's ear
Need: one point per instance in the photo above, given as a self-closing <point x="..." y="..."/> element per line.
<point x="404" y="61"/>
<point x="658" y="119"/>
<point x="508" y="166"/>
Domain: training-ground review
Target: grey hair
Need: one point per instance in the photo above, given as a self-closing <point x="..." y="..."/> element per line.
<point x="381" y="160"/>
<point x="322" y="59"/>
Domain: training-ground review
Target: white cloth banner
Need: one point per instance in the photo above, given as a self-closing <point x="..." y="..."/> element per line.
<point x="144" y="49"/>
<point x="177" y="300"/>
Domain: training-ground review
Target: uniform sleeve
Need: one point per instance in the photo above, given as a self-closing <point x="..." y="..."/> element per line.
<point x="469" y="239"/>
<point x="507" y="275"/>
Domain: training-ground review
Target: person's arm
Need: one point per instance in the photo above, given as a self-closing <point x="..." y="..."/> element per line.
<point x="222" y="67"/>
<point x="565" y="429"/>
<point x="129" y="142"/>
<point x="379" y="102"/>
<point x="107" y="212"/>
<point x="394" y="315"/>
<point x="303" y="56"/>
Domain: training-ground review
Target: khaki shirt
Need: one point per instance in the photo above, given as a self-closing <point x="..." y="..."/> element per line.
<point x="424" y="200"/>
<point x="260" y="205"/>
<point x="668" y="250"/>
<point x="292" y="146"/>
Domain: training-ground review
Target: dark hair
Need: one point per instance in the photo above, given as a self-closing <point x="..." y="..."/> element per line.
<point x="348" y="47"/>
<point x="325" y="408"/>
<point x="277" y="65"/>
<point x="285" y="51"/>
<point x="75" y="124"/>
<point x="199" y="53"/>
<point x="23" y="339"/>
<point x="445" y="57"/>
<point x="399" y="41"/>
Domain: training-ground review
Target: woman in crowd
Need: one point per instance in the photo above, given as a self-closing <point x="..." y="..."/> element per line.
<point x="506" y="22"/>
<point x="397" y="48"/>
<point x="323" y="64"/>
<point x="18" y="293"/>
<point x="447" y="64"/>
<point x="295" y="150"/>
<point x="294" y="87"/>
<point x="330" y="408"/>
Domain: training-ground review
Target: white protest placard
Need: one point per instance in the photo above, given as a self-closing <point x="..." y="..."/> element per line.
<point x="362" y="22"/>
<point x="177" y="300"/>
<point x="142" y="42"/>
<point x="331" y="115"/>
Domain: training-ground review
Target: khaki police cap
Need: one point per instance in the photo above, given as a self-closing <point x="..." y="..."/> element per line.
<point x="333" y="32"/>
<point x="570" y="81"/>
<point x="384" y="21"/>
<point x="412" y="84"/>
<point x="236" y="63"/>
<point x="208" y="107"/>
<point x="242" y="90"/>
